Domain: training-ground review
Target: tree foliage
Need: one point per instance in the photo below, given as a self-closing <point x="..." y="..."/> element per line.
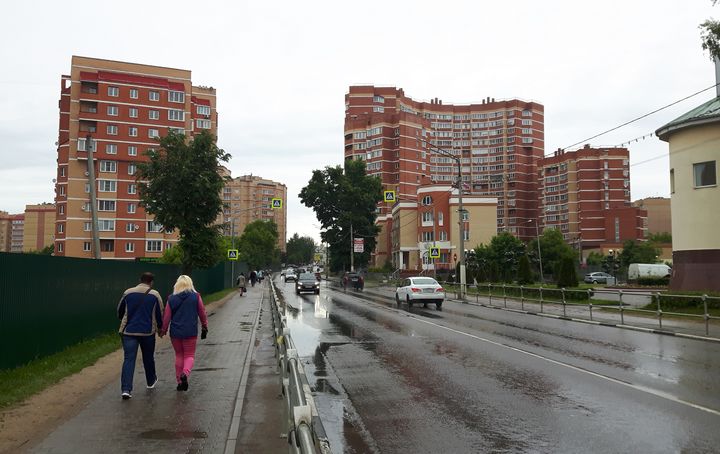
<point x="660" y="238"/>
<point x="300" y="249"/>
<point x="341" y="197"/>
<point x="638" y="252"/>
<point x="567" y="276"/>
<point x="258" y="245"/>
<point x="553" y="249"/>
<point x="180" y="186"/>
<point x="524" y="275"/>
<point x="498" y="260"/>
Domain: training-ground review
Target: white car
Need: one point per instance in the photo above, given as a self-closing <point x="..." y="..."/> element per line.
<point x="420" y="289"/>
<point x="290" y="275"/>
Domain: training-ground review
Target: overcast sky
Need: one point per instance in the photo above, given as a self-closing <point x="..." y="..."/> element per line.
<point x="281" y="70"/>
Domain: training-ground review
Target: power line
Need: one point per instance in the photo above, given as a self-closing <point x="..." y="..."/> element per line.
<point x="640" y="117"/>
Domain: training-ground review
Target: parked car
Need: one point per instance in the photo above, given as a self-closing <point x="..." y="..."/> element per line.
<point x="420" y="289"/>
<point x="306" y="282"/>
<point x="290" y="275"/>
<point x="598" y="277"/>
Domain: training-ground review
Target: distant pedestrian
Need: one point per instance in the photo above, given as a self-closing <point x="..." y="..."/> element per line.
<point x="253" y="277"/>
<point x="345" y="281"/>
<point x="183" y="310"/>
<point x="140" y="314"/>
<point x="241" y="283"/>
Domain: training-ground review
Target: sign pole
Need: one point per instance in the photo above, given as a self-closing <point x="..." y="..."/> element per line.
<point x="352" y="250"/>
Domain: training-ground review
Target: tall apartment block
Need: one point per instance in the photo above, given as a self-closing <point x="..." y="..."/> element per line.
<point x="498" y="144"/>
<point x="248" y="198"/>
<point x="39" y="227"/>
<point x="11" y="232"/>
<point x="119" y="110"/>
<point x="585" y="194"/>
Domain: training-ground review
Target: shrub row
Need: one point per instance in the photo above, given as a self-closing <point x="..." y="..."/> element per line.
<point x="534" y="293"/>
<point x="673" y="302"/>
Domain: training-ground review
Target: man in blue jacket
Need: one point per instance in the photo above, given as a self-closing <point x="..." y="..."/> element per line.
<point x="140" y="314"/>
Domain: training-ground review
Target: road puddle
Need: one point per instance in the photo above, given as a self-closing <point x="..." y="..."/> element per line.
<point x="162" y="434"/>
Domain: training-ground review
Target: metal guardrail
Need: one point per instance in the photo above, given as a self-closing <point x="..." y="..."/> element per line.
<point x="301" y="436"/>
<point x="499" y="294"/>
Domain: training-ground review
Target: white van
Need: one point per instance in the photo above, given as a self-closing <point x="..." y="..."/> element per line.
<point x="648" y="270"/>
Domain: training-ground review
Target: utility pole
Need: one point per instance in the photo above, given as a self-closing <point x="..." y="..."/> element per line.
<point x="352" y="249"/>
<point x="232" y="241"/>
<point x="93" y="196"/>
<point x="461" y="228"/>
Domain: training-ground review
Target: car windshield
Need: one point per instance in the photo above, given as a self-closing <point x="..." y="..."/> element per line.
<point x="424" y="281"/>
<point x="308" y="276"/>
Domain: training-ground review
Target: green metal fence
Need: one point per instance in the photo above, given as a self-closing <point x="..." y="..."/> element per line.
<point x="49" y="303"/>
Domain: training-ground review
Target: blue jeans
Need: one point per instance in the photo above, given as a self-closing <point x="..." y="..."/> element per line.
<point x="130" y="346"/>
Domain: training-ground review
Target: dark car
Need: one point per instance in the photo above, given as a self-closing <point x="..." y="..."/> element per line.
<point x="356" y="281"/>
<point x="306" y="282"/>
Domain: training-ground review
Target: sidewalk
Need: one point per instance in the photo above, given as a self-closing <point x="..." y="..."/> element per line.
<point x="207" y="418"/>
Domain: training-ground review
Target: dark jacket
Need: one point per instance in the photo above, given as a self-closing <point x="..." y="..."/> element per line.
<point x="184" y="314"/>
<point x="140" y="311"/>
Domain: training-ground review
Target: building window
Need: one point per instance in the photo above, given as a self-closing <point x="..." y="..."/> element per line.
<point x="153" y="246"/>
<point x="132" y="150"/>
<point x="202" y="124"/>
<point x="113" y="91"/>
<point x="130" y="227"/>
<point x="132" y="188"/>
<point x="672" y="181"/>
<point x="106" y="205"/>
<point x="132" y="131"/>
<point x="61" y="228"/>
<point x="108" y="166"/>
<point x="107" y="245"/>
<point x="110" y="148"/>
<point x="60" y="247"/>
<point x="176" y="115"/>
<point x="62" y="171"/>
<point x="112" y="130"/>
<point x="176" y="96"/>
<point x="427" y="216"/>
<point x="61" y="190"/>
<point x="134" y="93"/>
<point x="378" y="99"/>
<point x="203" y="110"/>
<point x="129" y="247"/>
<point x="378" y="109"/>
<point x="61" y="209"/>
<point x="154" y="95"/>
<point x="466" y="235"/>
<point x="427" y="200"/>
<point x="154" y="114"/>
<point x="86" y="246"/>
<point x="107" y="185"/>
<point x="427" y="236"/>
<point x="106" y="225"/>
<point x="443" y="235"/>
<point x="133" y="112"/>
<point x="132" y="168"/>
<point x="112" y="111"/>
<point x="87" y="188"/>
<point x="132" y="208"/>
<point x="154" y="227"/>
<point x="87" y="226"/>
<point x="153" y="133"/>
<point x="704" y="174"/>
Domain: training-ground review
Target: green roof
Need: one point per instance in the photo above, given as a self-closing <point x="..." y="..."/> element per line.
<point x="708" y="112"/>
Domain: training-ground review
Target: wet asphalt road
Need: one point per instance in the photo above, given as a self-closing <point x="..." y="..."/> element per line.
<point x="474" y="379"/>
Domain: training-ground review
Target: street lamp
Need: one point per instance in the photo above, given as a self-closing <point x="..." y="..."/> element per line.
<point x="537" y="235"/>
<point x="93" y="196"/>
<point x="461" y="212"/>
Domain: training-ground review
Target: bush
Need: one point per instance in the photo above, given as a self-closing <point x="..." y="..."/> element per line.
<point x="684" y="301"/>
<point x="566" y="273"/>
<point x="533" y="293"/>
<point x="654" y="281"/>
<point x="524" y="273"/>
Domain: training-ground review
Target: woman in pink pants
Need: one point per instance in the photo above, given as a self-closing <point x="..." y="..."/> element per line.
<point x="184" y="308"/>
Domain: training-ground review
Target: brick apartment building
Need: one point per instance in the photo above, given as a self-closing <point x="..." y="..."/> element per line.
<point x="39" y="227"/>
<point x="122" y="108"/>
<point x="585" y="194"/>
<point x="248" y="198"/>
<point x="497" y="142"/>
<point x="659" y="216"/>
<point x="11" y="232"/>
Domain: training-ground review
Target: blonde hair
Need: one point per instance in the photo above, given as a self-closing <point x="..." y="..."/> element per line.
<point x="182" y="284"/>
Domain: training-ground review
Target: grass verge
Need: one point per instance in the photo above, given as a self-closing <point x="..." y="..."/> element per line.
<point x="22" y="382"/>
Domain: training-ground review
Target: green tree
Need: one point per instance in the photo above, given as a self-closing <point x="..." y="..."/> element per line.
<point x="47" y="250"/>
<point x="258" y="245"/>
<point x="594" y="258"/>
<point x="567" y="276"/>
<point x="300" y="249"/>
<point x="524" y="275"/>
<point x="341" y="198"/>
<point x="180" y="186"/>
<point x="553" y="248"/>
<point x="638" y="252"/>
<point x="501" y="256"/>
<point x="660" y="238"/>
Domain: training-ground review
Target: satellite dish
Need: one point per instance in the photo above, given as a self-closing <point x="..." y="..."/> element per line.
<point x="54" y="180"/>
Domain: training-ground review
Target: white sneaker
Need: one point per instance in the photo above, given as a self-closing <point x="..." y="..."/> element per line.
<point x="126" y="395"/>
<point x="153" y="385"/>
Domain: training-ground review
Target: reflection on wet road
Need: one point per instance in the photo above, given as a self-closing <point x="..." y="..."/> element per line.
<point x="474" y="379"/>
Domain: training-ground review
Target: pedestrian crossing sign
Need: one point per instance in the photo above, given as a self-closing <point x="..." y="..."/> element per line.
<point x="434" y="252"/>
<point x="390" y="196"/>
<point x="276" y="203"/>
<point x="232" y="254"/>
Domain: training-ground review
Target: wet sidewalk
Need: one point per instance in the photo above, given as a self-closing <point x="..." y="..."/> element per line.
<point x="206" y="418"/>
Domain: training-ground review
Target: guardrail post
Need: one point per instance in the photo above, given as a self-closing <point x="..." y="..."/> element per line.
<point x="522" y="299"/>
<point x="590" y="302"/>
<point x="477" y="293"/>
<point x="707" y="316"/>
<point x="562" y="290"/>
<point x="490" y="294"/>
<point x="659" y="309"/>
<point x="620" y="304"/>
<point x="504" y="296"/>
<point x="541" y="299"/>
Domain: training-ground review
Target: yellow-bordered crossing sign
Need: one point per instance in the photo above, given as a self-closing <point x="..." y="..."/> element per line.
<point x="434" y="252"/>
<point x="276" y="204"/>
<point x="389" y="196"/>
<point x="232" y="254"/>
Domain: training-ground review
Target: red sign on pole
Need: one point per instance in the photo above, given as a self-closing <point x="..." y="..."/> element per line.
<point x="359" y="244"/>
<point x="455" y="257"/>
